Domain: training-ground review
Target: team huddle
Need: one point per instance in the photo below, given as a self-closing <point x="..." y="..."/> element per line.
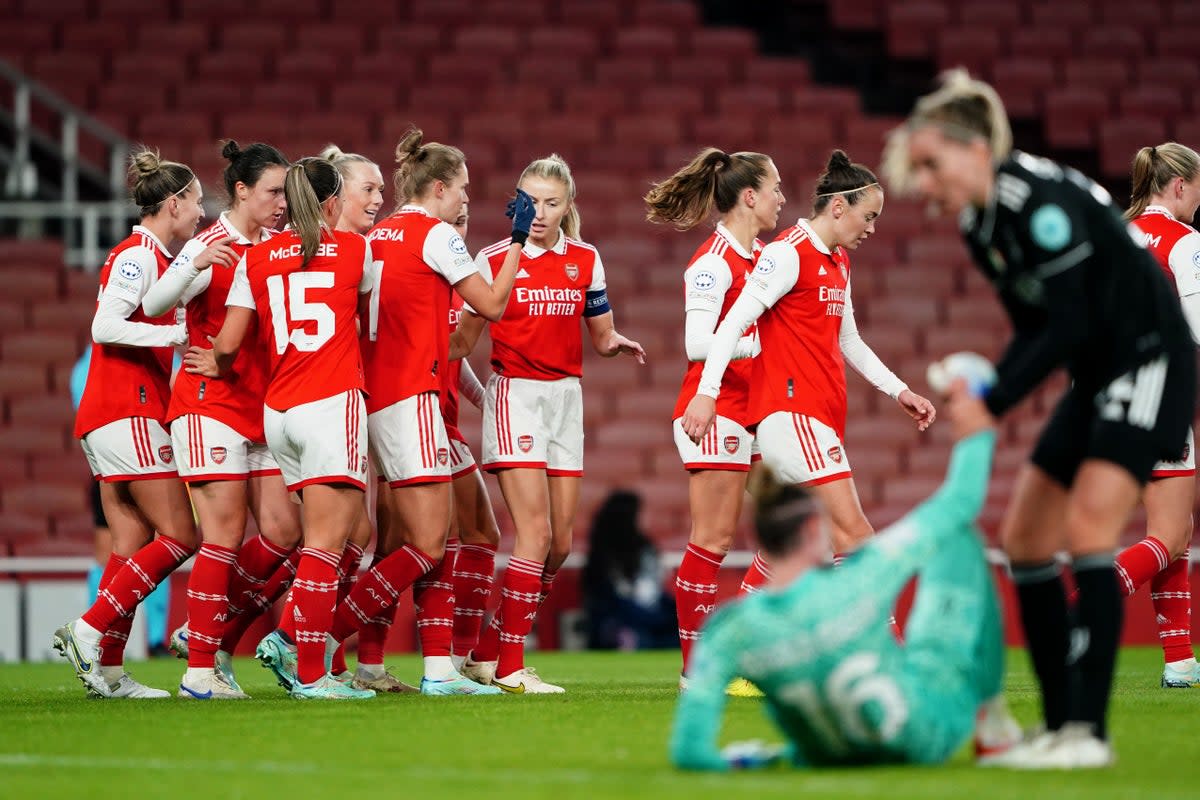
<point x="330" y="350"/>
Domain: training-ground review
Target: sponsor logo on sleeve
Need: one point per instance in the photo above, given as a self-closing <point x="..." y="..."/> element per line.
<point x="1050" y="227"/>
<point x="704" y="281"/>
<point x="129" y="270"/>
<point x="457" y="245"/>
<point x="1196" y="259"/>
<point x="765" y="266"/>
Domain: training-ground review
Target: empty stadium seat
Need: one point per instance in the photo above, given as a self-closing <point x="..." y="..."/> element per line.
<point x="1120" y="139"/>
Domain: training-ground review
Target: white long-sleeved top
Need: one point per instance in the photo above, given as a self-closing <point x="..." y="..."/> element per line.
<point x="129" y="280"/>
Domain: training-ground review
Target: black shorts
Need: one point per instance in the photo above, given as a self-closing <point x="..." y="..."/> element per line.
<point x="98" y="507"/>
<point x="1136" y="421"/>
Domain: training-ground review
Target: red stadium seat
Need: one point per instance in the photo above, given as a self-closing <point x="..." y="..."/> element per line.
<point x="1152" y="101"/>
<point x="1180" y="73"/>
<point x="1120" y="139"/>
<point x="563" y="41"/>
<point x="727" y="130"/>
<point x="973" y="47"/>
<point x="675" y="14"/>
<point x="313" y="68"/>
<point x="359" y="98"/>
<point x="211" y="95"/>
<point x="92" y="36"/>
<point x="685" y="100"/>
<point x="44" y="411"/>
<point x="1072" y="115"/>
<point x="546" y="72"/>
<point x="1095" y="72"/>
<point x="749" y="100"/>
<point x="31" y="440"/>
<point x="866" y="15"/>
<point x="285" y="98"/>
<point x="334" y="37"/>
<point x="999" y="17"/>
<point x="705" y="71"/>
<point x="149" y="67"/>
<point x="601" y="100"/>
<point x="490" y="42"/>
<point x="1022" y="82"/>
<point x="262" y="36"/>
<point x="736" y="45"/>
<point x="41" y="347"/>
<point x="1040" y="42"/>
<point x="909" y="25"/>
<point x="65" y="10"/>
<point x="167" y="130"/>
<point x="657" y="41"/>
<point x="177" y="37"/>
<point x="787" y="74"/>
<point x="1118" y="44"/>
<point x="238" y="65"/>
<point x="410" y="41"/>
<point x="627" y="73"/>
<point x="1073" y="15"/>
<point x="1187" y="130"/>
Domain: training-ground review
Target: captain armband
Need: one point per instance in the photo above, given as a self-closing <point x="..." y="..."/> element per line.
<point x="596" y="303"/>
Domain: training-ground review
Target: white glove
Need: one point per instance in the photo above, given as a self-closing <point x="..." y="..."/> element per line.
<point x="976" y="370"/>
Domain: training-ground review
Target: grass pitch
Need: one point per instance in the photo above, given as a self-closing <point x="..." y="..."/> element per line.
<point x="605" y="738"/>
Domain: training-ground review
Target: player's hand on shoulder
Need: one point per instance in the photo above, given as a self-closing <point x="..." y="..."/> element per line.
<point x="201" y="361"/>
<point x="698" y="416"/>
<point x="917" y="407"/>
<point x="219" y="253"/>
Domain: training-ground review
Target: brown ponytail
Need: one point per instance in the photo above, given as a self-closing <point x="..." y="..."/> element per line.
<point x="712" y="178"/>
<point x="155" y="180"/>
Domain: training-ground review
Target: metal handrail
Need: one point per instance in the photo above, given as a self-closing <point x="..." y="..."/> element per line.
<point x="73" y="124"/>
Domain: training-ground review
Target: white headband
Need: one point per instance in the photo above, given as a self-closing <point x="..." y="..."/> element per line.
<point x="849" y="191"/>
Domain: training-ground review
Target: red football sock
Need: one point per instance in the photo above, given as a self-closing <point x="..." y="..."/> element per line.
<point x="314" y="594"/>
<point x="136" y="580"/>
<point x="548" y="577"/>
<point x="287" y="614"/>
<point x="695" y="594"/>
<point x="256" y="562"/>
<point x="261" y="602"/>
<point x="474" y="572"/>
<point x="208" y="602"/>
<point x="112" y="643"/>
<point x="1139" y="563"/>
<point x="758" y="574"/>
<point x="352" y="557"/>
<point x="372" y="638"/>
<point x="1171" y="591"/>
<point x="379" y="589"/>
<point x="518" y="608"/>
<point x="433" y="596"/>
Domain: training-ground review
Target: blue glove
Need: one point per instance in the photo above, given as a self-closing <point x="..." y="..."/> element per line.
<point x="521" y="211"/>
<point x="976" y="370"/>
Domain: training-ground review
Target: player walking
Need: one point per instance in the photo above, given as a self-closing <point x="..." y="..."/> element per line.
<point x="745" y="189"/>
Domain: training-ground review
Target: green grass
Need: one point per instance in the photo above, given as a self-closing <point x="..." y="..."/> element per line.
<point x="604" y="738"/>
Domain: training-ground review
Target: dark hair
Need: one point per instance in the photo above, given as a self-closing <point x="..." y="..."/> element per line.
<point x="780" y="512"/>
<point x="421" y="164"/>
<point x="616" y="542"/>
<point x="309" y="183"/>
<point x="247" y="166"/>
<point x="1154" y="168"/>
<point x="155" y="180"/>
<point x="842" y="177"/>
<point x="712" y="178"/>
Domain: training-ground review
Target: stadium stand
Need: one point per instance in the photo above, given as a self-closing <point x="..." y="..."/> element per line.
<point x="625" y="91"/>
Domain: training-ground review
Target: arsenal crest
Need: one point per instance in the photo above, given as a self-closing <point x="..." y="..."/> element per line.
<point x="218" y="454"/>
<point x="443" y="455"/>
<point x="731" y="444"/>
<point x="525" y="442"/>
<point x="166" y="454"/>
<point x="572" y="271"/>
<point x="835" y="453"/>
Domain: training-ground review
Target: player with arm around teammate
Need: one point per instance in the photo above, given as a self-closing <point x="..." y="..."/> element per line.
<point x="1166" y="193"/>
<point x="420" y="261"/>
<point x="837" y="684"/>
<point x="1084" y="295"/>
<point x="746" y="190"/>
<point x="533" y="409"/>
<point x="303" y="287"/>
<point x="120" y="426"/>
<point x="799" y="294"/>
<point x="217" y="427"/>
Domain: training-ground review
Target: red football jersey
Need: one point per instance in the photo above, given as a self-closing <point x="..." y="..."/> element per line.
<point x="801" y="368"/>
<point x="417" y="259"/>
<point x="450" y="377"/>
<point x="308" y="316"/>
<point x="539" y="336"/>
<point x="714" y="279"/>
<point x="237" y="398"/>
<point x="1160" y="233"/>
<point x="129" y="381"/>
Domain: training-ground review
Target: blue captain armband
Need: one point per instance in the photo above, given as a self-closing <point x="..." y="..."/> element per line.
<point x="596" y="303"/>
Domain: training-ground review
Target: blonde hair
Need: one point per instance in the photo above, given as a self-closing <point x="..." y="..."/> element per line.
<point x="1154" y="168"/>
<point x="553" y="167"/>
<point x="344" y="161"/>
<point x="309" y="183"/>
<point x="155" y="180"/>
<point x="712" y="178"/>
<point x="420" y="164"/>
<point x="963" y="109"/>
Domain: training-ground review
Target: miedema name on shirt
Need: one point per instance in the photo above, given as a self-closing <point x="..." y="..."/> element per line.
<point x="329" y="249"/>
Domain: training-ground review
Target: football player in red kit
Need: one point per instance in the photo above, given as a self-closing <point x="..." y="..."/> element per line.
<point x="303" y="287"/>
<point x="1166" y="193"/>
<point x="120" y="426"/>
<point x="533" y="408"/>
<point x="217" y="428"/>
<point x="745" y="189"/>
<point x="799" y="293"/>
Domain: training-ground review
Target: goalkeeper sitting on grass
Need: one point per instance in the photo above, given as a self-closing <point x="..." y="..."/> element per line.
<point x="817" y="641"/>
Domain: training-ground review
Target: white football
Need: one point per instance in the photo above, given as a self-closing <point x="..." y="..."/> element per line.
<point x="972" y="367"/>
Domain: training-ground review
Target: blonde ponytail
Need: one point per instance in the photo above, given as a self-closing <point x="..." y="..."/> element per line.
<point x="1154" y="168"/>
<point x="309" y="183"/>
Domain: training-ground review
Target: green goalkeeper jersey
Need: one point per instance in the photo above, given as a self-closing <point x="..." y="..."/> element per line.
<point x="835" y="679"/>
